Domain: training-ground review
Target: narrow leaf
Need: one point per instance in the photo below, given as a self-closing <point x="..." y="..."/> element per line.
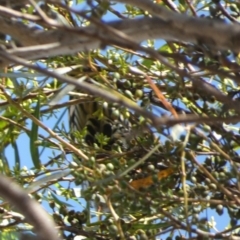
<point x="61" y="203"/>
<point x="34" y="138"/>
<point x="17" y="156"/>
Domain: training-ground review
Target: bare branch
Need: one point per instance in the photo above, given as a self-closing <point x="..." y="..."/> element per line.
<point x="43" y="224"/>
<point x="168" y="26"/>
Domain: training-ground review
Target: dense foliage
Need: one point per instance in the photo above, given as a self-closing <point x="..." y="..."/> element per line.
<point x="176" y="163"/>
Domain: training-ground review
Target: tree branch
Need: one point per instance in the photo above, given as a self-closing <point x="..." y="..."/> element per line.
<point x="169" y="26"/>
<point x="43" y="224"/>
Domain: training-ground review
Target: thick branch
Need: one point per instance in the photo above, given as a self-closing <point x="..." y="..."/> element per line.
<point x="70" y="40"/>
<point x="33" y="212"/>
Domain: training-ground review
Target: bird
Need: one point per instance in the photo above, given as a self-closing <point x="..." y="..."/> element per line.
<point x="98" y="117"/>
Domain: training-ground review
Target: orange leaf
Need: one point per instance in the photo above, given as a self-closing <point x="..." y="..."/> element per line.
<point x="148" y="181"/>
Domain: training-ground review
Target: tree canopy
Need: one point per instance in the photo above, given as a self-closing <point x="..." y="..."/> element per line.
<point x="170" y="69"/>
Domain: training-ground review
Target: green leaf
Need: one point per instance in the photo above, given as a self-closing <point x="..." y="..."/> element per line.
<point x="4" y="164"/>
<point x="34" y="137"/>
<point x="9" y="235"/>
<point x="17" y="156"/>
<point x="60" y="202"/>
